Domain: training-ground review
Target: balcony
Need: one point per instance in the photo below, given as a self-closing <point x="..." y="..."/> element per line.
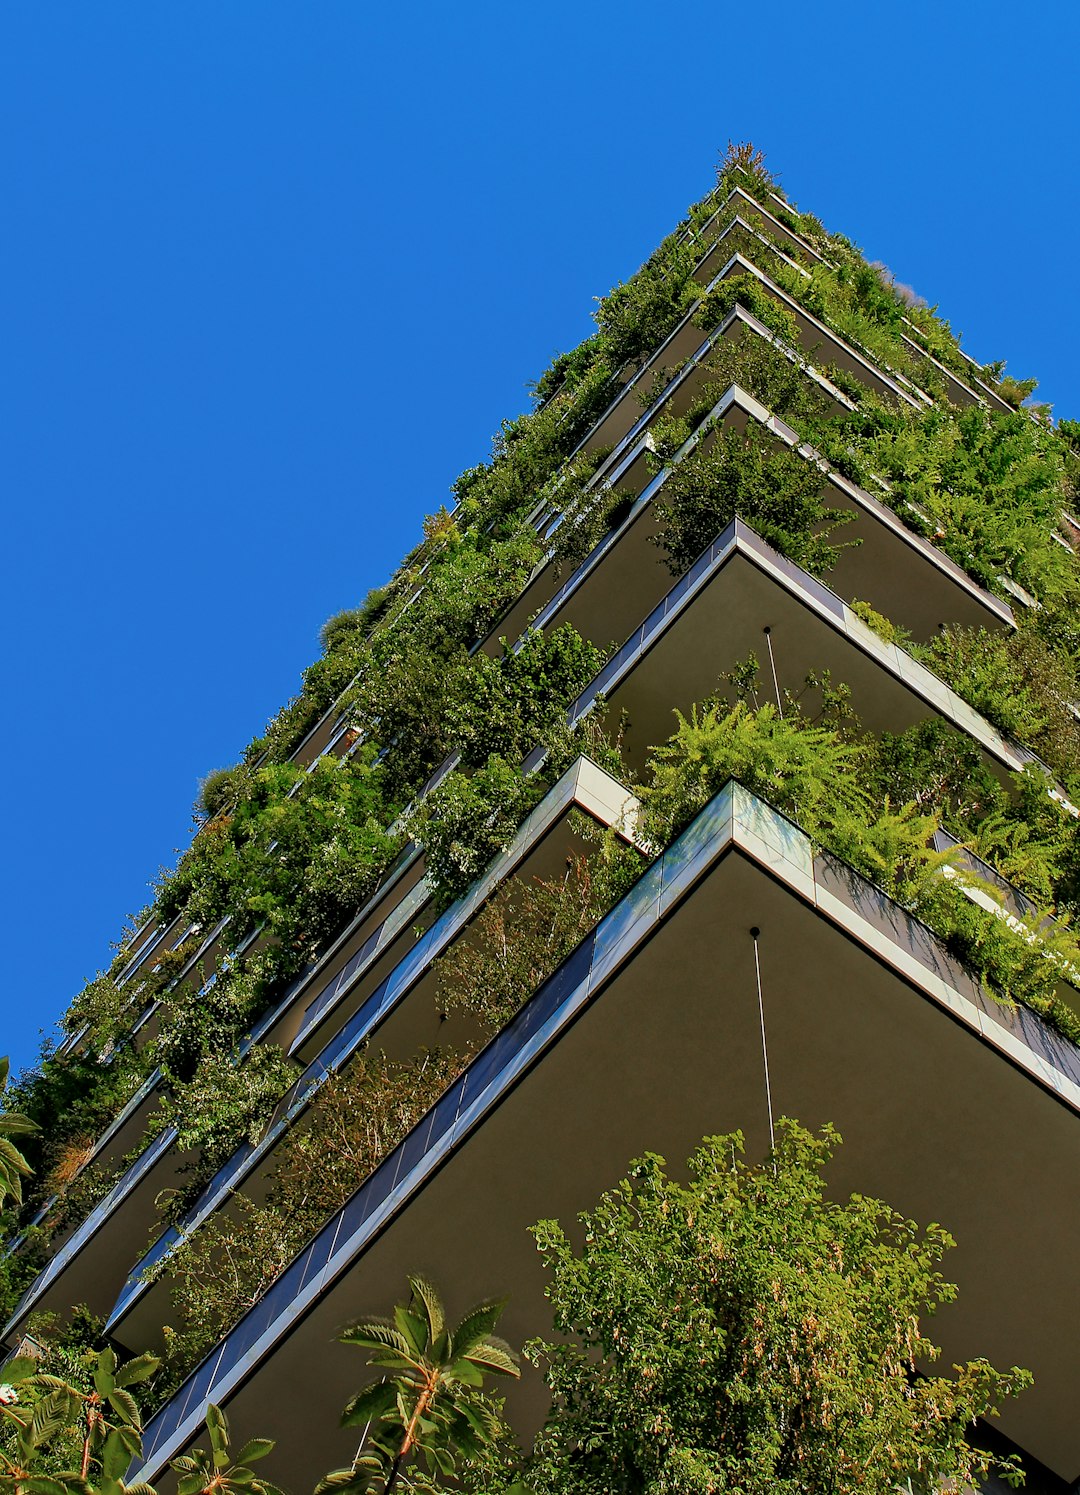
<point x="149" y="942"/>
<point x="116" y="1227"/>
<point x="738" y="597"/>
<point x="904" y="576"/>
<point x="400" y="1009"/>
<point x="749" y="209"/>
<point x="817" y="343"/>
<point x="960" y="392"/>
<point x="647" y="1038"/>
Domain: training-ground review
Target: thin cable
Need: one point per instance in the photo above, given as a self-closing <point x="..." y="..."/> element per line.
<point x="775" y="681"/>
<point x="754" y="933"/>
<point x="779" y="703"/>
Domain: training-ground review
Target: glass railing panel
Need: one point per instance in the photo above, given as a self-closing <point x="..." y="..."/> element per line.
<point x="336" y="985"/>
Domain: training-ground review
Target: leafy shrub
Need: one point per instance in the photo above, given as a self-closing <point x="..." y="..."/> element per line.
<point x="787" y="761"/>
<point x="217" y="791"/>
<point x="510" y="701"/>
<point x="754" y="477"/>
<point x="467" y="820"/>
<point x="344" y="630"/>
<point x="747" y="1331"/>
<point x="1017" y="683"/>
<point x="826" y="784"/>
<point x="359" y="1117"/>
<point x="527" y="930"/>
<point x="228" y="1100"/>
<point x="747" y="291"/>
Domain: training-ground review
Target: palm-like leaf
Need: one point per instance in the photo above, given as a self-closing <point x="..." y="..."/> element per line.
<point x="13" y="1166"/>
<point x="379" y="1335"/>
<point x="369" y="1405"/>
<point x="476" y="1327"/>
<point x="434" y="1406"/>
<point x="425" y="1293"/>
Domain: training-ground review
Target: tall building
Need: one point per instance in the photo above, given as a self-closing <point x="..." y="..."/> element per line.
<point x="481" y="918"/>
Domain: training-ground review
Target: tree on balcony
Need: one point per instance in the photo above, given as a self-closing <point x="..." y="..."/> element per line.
<point x="745" y="1332"/>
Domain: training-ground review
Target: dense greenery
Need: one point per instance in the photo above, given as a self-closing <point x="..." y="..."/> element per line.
<point x="219" y="1271"/>
<point x="360" y="1113"/>
<point x="743" y="1331"/>
<point x="839" y="785"/>
<point x="284" y="857"/>
<point x="527" y="930"/>
<point x="746" y="1332"/>
<point x="751" y="475"/>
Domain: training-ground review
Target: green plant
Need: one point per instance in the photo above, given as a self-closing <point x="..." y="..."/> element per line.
<point x="467" y="820"/>
<point x="359" y="1117"/>
<point x="220" y="1270"/>
<point x="69" y="1097"/>
<point x="13" y="1166"/>
<point x="790" y="762"/>
<point x="754" y="477"/>
<point x="882" y="626"/>
<point x="429" y="1405"/>
<point x="747" y="291"/>
<point x="747" y="1331"/>
<point x="217" y="791"/>
<point x="92" y="1419"/>
<point x="849" y="793"/>
<point x="526" y="930"/>
<point x="228" y="1100"/>
<point x="989" y="485"/>
<point x="223" y="1471"/>
<point x="1017" y="682"/>
<point x="511" y="700"/>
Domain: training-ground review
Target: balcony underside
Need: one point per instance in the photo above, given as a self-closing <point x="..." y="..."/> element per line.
<point x="648" y="1039"/>
<point x="717" y="614"/>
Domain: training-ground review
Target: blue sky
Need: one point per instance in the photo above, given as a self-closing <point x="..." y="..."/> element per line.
<point x="273" y="273"/>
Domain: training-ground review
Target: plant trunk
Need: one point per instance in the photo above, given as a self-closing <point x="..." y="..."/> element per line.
<point x="407" y="1441"/>
<point x="84" y="1467"/>
<point x="395" y="1470"/>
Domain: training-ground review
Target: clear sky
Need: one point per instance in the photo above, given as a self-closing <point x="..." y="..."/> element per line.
<point x="272" y="273"/>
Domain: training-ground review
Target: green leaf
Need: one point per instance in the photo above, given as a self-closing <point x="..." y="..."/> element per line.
<point x="104" y="1372"/>
<point x="377" y="1334"/>
<point x="425" y="1292"/>
<point x="412" y="1327"/>
<point x="43" y="1484"/>
<point x="495" y="1355"/>
<point x="123" y="1403"/>
<point x="18" y="1370"/>
<point x="264" y="1487"/>
<point x="217" y="1427"/>
<point x="255" y="1449"/>
<point x="139" y="1369"/>
<point x="476" y="1326"/>
<point x="114" y="1457"/>
<point x="369" y="1405"/>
